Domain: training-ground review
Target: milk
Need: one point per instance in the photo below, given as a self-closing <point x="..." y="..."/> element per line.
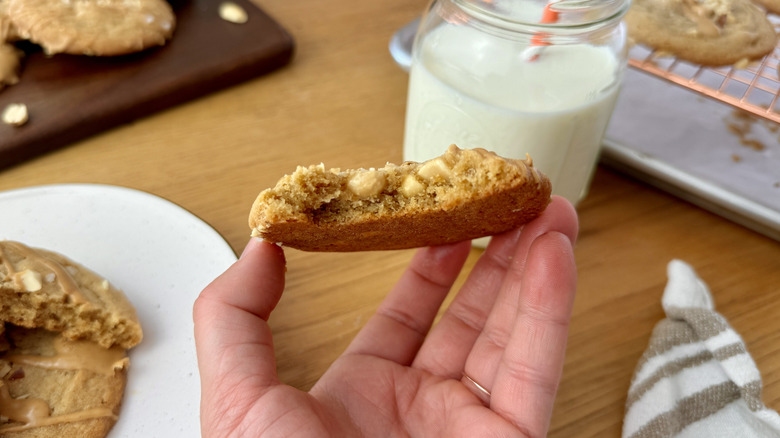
<point x="465" y="89"/>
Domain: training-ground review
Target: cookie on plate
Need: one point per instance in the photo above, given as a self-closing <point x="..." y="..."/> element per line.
<point x="461" y="195"/>
<point x="706" y="32"/>
<point x="92" y="27"/>
<point x="51" y="387"/>
<point x="40" y="288"/>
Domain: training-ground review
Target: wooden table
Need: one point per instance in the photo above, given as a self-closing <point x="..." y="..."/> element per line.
<point x="341" y="101"/>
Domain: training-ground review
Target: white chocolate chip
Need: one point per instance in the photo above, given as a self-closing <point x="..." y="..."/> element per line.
<point x="104" y="284"/>
<point x="367" y="183"/>
<point x="411" y="187"/>
<point x="15" y="114"/>
<point x="31" y="280"/>
<point x="742" y="64"/>
<point x="50" y="277"/>
<point x="233" y="13"/>
<point x="71" y="270"/>
<point x="5" y="368"/>
<point x="434" y="169"/>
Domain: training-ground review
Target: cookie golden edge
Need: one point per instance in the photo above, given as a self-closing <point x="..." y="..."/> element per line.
<point x="510" y="193"/>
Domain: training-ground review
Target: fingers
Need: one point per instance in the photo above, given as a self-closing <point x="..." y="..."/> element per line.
<point x="445" y="349"/>
<point x="403" y="319"/>
<point x="486" y="352"/>
<point x="484" y="310"/>
<point x="232" y="338"/>
<point x="525" y="383"/>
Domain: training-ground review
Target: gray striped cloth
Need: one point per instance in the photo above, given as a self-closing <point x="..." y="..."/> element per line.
<point x="696" y="378"/>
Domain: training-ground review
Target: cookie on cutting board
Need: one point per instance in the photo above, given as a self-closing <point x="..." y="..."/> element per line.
<point x="92" y="27"/>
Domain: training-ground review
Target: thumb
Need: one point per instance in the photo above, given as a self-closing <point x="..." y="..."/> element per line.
<point x="232" y="337"/>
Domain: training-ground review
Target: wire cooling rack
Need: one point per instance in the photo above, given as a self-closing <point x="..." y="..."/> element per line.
<point x="754" y="87"/>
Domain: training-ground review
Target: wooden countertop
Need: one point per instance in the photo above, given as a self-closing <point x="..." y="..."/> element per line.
<point x="341" y="101"/>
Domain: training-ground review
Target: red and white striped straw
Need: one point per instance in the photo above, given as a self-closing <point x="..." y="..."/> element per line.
<point x="539" y="39"/>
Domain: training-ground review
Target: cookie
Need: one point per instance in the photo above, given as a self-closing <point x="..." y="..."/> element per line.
<point x="93" y="27"/>
<point x="770" y="5"/>
<point x="7" y="30"/>
<point x="461" y="195"/>
<point x="10" y="64"/>
<point x="51" y="387"/>
<point x="706" y="32"/>
<point x="40" y="288"/>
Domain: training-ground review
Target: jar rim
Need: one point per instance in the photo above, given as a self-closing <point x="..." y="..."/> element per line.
<point x="571" y="13"/>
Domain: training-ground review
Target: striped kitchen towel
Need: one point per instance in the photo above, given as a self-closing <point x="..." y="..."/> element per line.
<point x="696" y="378"/>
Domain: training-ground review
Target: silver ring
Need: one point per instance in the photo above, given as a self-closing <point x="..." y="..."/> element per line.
<point x="478" y="390"/>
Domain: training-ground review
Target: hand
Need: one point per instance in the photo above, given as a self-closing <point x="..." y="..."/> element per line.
<point x="506" y="329"/>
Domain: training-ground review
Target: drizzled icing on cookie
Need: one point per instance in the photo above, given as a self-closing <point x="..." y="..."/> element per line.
<point x="21" y="410"/>
<point x="69" y="355"/>
<point x="42" y="263"/>
<point x="76" y="355"/>
<point x="34" y="412"/>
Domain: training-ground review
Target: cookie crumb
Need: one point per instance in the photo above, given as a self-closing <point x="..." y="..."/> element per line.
<point x="233" y="13"/>
<point x="15" y="114"/>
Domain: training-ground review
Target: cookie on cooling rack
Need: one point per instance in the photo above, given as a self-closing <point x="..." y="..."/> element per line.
<point x="772" y="6"/>
<point x="705" y="32"/>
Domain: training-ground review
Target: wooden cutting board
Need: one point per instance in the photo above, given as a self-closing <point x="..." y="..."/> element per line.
<point x="72" y="97"/>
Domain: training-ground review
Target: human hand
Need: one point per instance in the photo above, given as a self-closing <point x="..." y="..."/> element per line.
<point x="506" y="329"/>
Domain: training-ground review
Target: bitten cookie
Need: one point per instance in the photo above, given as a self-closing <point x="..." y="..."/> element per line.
<point x="92" y="27"/>
<point x="461" y="195"/>
<point x="706" y="32"/>
<point x="40" y="288"/>
<point x="51" y="387"/>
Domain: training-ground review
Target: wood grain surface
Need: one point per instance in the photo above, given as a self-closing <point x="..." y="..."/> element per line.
<point x="341" y="101"/>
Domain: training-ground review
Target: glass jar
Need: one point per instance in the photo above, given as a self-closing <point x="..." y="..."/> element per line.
<point x="518" y="77"/>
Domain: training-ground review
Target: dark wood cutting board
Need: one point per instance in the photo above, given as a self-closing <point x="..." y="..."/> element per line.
<point x="72" y="97"/>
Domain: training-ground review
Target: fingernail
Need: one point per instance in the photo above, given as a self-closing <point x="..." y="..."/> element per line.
<point x="253" y="242"/>
<point x="504" y="243"/>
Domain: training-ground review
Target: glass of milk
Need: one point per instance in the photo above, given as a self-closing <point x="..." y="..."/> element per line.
<point x="518" y="77"/>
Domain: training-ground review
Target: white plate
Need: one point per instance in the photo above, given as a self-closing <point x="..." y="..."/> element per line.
<point x="161" y="256"/>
